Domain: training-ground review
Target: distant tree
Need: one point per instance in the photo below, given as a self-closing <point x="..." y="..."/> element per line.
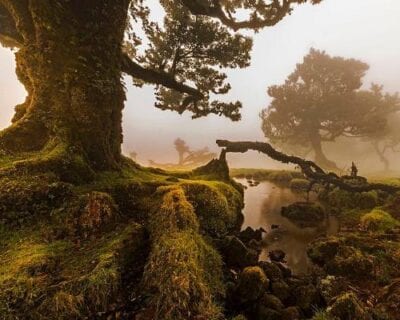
<point x="182" y="148"/>
<point x="382" y="122"/>
<point x="133" y="155"/>
<point x="321" y="101"/>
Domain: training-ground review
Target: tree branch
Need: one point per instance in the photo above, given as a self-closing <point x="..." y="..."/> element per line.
<point x="158" y="77"/>
<point x="277" y="12"/>
<point x="9" y="35"/>
<point x="309" y="168"/>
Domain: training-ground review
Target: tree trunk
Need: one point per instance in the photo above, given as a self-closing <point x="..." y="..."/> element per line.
<point x="320" y="157"/>
<point x="70" y="65"/>
<point x="381" y="155"/>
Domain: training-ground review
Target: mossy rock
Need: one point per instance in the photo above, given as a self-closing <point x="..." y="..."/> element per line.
<point x="236" y="254"/>
<point x="304" y="214"/>
<point x="379" y="220"/>
<point x="347" y="306"/>
<point x="271" y="301"/>
<point x="271" y="270"/>
<point x="217" y="205"/>
<point x="252" y="285"/>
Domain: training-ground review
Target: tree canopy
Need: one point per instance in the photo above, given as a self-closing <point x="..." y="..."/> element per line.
<point x="323" y="100"/>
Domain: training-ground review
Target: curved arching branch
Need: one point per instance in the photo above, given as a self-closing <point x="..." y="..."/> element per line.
<point x="274" y="11"/>
<point x="135" y="70"/>
<point x="309" y="168"/>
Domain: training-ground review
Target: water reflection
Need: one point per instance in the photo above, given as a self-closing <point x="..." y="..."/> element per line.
<point x="263" y="205"/>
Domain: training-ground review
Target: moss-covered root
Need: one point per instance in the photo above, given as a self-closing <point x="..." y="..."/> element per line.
<point x="41" y="280"/>
<point x="183" y="273"/>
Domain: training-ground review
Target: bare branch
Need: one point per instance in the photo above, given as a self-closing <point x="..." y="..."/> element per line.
<point x="309" y="168"/>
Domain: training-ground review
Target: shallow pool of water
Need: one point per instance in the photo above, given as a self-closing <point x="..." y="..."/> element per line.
<point x="263" y="205"/>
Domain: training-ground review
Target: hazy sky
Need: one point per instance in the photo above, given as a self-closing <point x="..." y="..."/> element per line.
<point x="363" y="29"/>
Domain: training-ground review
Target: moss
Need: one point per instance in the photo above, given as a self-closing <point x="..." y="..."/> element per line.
<point x="265" y="174"/>
<point x="252" y="284"/>
<point x="217" y="205"/>
<point x="183" y="273"/>
<point x="299" y="184"/>
<point x="379" y="220"/>
<point x="55" y="280"/>
<point x="347" y="306"/>
<point x="322" y="315"/>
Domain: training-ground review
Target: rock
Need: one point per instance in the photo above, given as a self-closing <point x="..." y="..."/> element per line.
<point x="330" y="287"/>
<point x="291" y="313"/>
<point x="306" y="297"/>
<point x="347" y="306"/>
<point x="277" y="255"/>
<point x="280" y="289"/>
<point x="252" y="284"/>
<point x="322" y="251"/>
<point x="249" y="234"/>
<point x="272" y="271"/>
<point x="284" y="269"/>
<point x="236" y="254"/>
<point x="268" y="314"/>
<point x="304" y="214"/>
<point x="271" y="301"/>
<point x="255" y="245"/>
<point x="274" y="226"/>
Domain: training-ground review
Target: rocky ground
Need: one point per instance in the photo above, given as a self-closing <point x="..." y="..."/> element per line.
<point x="147" y="244"/>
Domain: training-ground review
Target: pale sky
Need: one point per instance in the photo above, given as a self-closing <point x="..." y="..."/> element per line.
<point x="364" y="29"/>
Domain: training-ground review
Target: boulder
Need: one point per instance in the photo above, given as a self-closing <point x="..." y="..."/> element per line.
<point x="271" y="301"/>
<point x="265" y="313"/>
<point x="306" y="297"/>
<point x="236" y="254"/>
<point x="272" y="271"/>
<point x="249" y="234"/>
<point x="277" y="255"/>
<point x="252" y="285"/>
<point x="284" y="269"/>
<point x="347" y="306"/>
<point x="291" y="313"/>
<point x="280" y="289"/>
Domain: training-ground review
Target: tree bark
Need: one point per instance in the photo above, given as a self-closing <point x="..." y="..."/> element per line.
<point x="381" y="155"/>
<point x="320" y="157"/>
<point x="70" y="64"/>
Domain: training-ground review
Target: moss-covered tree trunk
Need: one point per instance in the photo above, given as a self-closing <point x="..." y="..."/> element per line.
<point x="69" y="63"/>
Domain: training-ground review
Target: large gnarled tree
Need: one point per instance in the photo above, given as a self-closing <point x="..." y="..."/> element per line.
<point x="72" y="55"/>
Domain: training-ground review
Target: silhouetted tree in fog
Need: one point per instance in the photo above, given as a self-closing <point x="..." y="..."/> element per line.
<point x="321" y="101"/>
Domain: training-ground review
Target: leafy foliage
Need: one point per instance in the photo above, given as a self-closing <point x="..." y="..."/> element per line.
<point x="321" y="101"/>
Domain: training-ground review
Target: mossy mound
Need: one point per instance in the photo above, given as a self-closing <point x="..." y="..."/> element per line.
<point x="128" y="240"/>
<point x="183" y="273"/>
<point x="217" y="205"/>
<point x="61" y="280"/>
<point x="304" y="214"/>
<point x="379" y="220"/>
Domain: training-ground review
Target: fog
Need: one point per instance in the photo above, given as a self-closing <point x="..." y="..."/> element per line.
<point x="362" y="29"/>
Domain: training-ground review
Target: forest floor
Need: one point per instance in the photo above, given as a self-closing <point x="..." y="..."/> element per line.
<point x="144" y="243"/>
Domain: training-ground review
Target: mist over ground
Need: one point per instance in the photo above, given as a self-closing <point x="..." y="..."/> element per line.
<point x="356" y="29"/>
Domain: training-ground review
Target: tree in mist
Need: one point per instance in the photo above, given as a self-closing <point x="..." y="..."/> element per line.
<point x="322" y="101"/>
<point x="182" y="148"/>
<point x="381" y="120"/>
<point x="72" y="54"/>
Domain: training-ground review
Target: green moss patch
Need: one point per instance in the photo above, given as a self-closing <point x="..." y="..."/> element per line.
<point x="379" y="220"/>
